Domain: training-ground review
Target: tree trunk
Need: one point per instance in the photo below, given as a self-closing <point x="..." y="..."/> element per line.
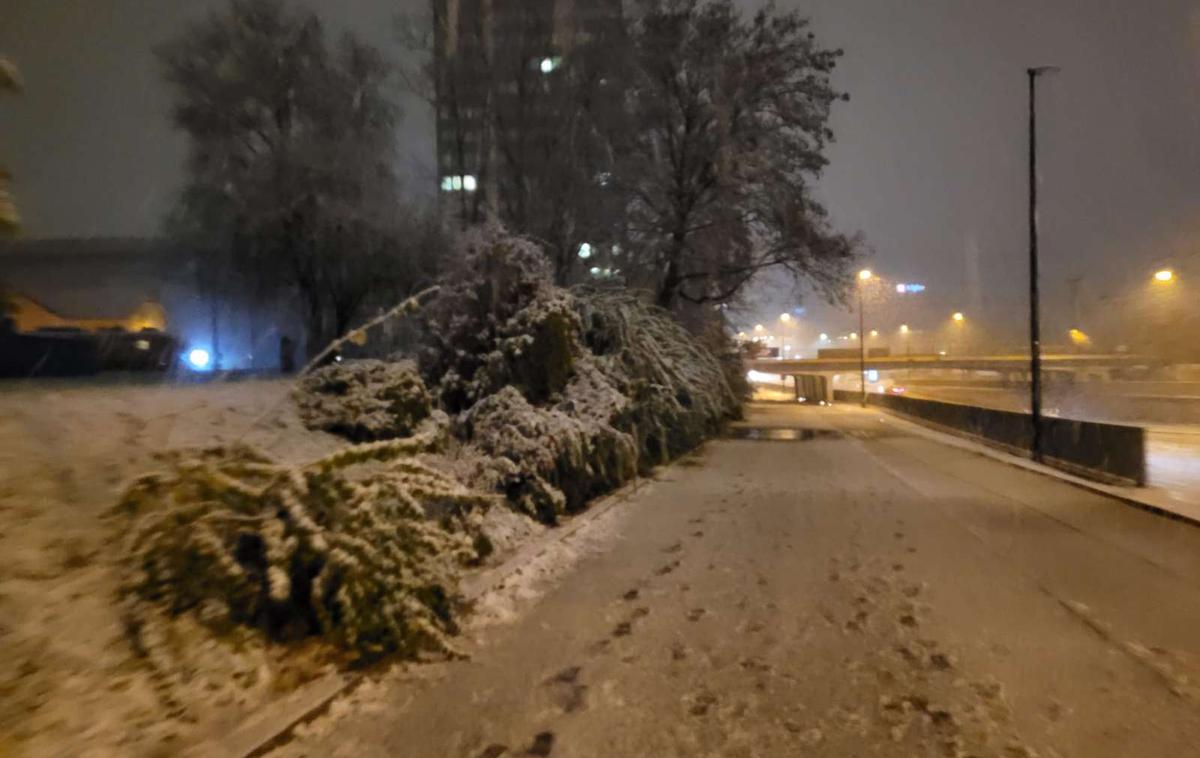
<point x="668" y="291"/>
<point x="316" y="335"/>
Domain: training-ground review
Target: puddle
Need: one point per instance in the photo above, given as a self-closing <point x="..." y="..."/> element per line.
<point x="781" y="434"/>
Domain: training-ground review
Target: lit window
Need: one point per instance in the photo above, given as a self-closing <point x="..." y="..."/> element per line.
<point x="595" y="271"/>
<point x="469" y="183"/>
<point x="447" y="183"/>
<point x="547" y="65"/>
<point x="456" y="182"/>
<point x="585" y="251"/>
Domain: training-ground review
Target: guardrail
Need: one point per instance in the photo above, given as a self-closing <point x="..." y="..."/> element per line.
<point x="1111" y="453"/>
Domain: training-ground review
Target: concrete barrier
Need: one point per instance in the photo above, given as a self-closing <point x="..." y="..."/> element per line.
<point x="1105" y="452"/>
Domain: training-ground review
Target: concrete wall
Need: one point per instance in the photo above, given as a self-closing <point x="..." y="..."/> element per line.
<point x="1106" y="452"/>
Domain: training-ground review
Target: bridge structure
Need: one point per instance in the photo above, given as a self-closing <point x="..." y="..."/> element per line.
<point x="811" y="376"/>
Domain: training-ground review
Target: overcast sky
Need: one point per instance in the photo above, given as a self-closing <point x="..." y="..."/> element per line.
<point x="929" y="162"/>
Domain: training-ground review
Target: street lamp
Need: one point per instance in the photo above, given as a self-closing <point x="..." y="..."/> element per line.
<point x="904" y="328"/>
<point x="785" y="317"/>
<point x="1035" y="338"/>
<point x="958" y="317"/>
<point x="864" y="276"/>
<point x="1164" y="276"/>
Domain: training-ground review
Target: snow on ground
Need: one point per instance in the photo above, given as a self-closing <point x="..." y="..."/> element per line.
<point x="70" y="683"/>
<point x="862" y="591"/>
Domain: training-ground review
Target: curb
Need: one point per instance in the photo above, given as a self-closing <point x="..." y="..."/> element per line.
<point x="974" y="445"/>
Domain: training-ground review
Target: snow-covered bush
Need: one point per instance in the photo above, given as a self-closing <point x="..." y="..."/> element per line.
<point x="558" y="460"/>
<point x="361" y="547"/>
<point x="498" y="320"/>
<point x="677" y="391"/>
<point x="568" y="395"/>
<point x="364" y="400"/>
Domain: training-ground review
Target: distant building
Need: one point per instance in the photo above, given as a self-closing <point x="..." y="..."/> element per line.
<point x="495" y="62"/>
<point x="28" y="315"/>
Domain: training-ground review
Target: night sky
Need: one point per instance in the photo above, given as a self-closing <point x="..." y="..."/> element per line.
<point x="929" y="163"/>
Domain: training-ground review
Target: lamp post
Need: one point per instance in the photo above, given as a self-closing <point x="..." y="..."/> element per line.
<point x="1035" y="339"/>
<point x="864" y="276"/>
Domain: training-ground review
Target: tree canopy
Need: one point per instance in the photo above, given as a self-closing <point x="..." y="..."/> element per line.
<point x="729" y="126"/>
<point x="291" y="183"/>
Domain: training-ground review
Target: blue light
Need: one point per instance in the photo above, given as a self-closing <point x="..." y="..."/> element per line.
<point x="199" y="358"/>
<point x="910" y="289"/>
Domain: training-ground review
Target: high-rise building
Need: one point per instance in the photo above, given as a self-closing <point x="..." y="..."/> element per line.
<point x="498" y="65"/>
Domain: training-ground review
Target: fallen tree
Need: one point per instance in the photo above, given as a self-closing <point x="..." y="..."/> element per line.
<point x="361" y="547"/>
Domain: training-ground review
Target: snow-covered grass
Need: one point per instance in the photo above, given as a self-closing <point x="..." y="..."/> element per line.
<point x="83" y="673"/>
<point x="70" y="681"/>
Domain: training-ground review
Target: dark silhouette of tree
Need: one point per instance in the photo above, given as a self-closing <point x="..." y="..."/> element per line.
<point x="290" y="185"/>
<point x="728" y="129"/>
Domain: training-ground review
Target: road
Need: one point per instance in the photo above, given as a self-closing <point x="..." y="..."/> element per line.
<point x="825" y="584"/>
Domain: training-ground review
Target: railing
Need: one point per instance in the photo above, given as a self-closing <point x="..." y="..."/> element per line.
<point x="1106" y="452"/>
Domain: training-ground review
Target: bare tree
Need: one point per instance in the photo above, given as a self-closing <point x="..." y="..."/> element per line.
<point x="728" y="128"/>
<point x="290" y="184"/>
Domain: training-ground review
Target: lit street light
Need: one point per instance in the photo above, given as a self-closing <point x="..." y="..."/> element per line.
<point x="785" y="317"/>
<point x="958" y="317"/>
<point x="759" y="328"/>
<point x="1165" y="275"/>
<point x="904" y="328"/>
<point x="874" y="333"/>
